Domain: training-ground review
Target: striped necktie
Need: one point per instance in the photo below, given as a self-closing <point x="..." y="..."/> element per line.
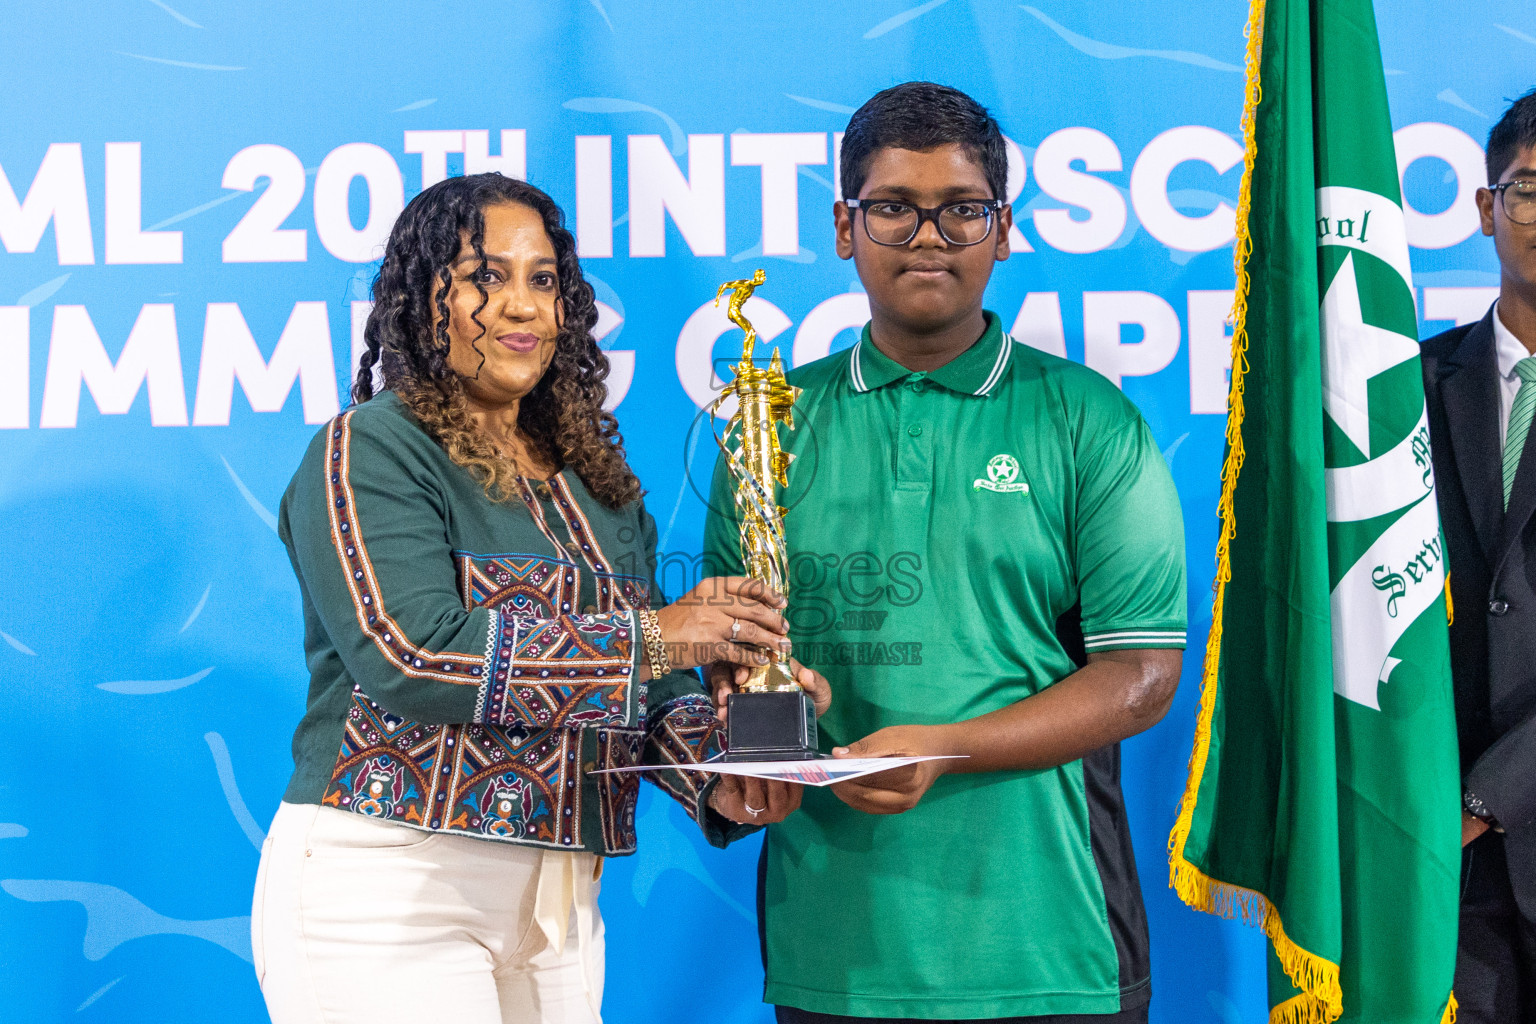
<point x="1519" y="422"/>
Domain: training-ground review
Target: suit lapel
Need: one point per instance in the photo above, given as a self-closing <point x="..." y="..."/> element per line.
<point x="1470" y="389"/>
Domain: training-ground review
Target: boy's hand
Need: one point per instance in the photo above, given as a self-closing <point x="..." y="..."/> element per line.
<point x="1471" y="827"/>
<point x="724" y="679"/>
<point x="898" y="789"/>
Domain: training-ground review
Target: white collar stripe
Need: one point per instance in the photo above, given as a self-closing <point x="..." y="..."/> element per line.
<point x="998" y="366"/>
<point x="854" y="371"/>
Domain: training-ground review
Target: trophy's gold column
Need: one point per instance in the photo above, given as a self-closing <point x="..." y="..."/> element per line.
<point x="758" y="464"/>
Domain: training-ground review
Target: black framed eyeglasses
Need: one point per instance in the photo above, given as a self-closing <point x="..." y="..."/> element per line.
<point x="892" y="222"/>
<point x="1519" y="200"/>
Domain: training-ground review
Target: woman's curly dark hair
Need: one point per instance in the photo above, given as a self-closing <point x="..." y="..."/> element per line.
<point x="563" y="416"/>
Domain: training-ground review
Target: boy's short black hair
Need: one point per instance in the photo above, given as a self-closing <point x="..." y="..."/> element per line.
<point x="920" y="116"/>
<point x="1515" y="131"/>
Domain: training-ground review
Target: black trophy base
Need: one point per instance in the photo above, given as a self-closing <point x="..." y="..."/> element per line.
<point x="779" y="725"/>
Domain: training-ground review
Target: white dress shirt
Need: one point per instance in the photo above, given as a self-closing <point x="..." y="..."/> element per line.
<point x="1509" y="350"/>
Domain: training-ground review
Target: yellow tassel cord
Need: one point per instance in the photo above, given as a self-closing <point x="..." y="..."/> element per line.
<point x="1322" y="1000"/>
<point x="1449" y="1017"/>
<point x="1450" y="607"/>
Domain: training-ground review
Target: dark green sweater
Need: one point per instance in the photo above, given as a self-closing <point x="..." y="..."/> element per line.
<point x="471" y="662"/>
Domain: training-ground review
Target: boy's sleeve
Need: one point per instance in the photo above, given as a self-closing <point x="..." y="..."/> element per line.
<point x="365" y="528"/>
<point x="682" y="728"/>
<point x="1129" y="541"/>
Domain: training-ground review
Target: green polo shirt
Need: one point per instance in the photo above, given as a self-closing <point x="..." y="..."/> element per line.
<point x="939" y="526"/>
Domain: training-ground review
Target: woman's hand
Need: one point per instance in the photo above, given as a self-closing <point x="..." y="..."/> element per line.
<point x="754" y="801"/>
<point x="724" y="679"/>
<point x="725" y="618"/>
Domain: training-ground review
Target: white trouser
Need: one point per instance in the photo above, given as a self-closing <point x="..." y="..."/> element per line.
<point x="358" y="920"/>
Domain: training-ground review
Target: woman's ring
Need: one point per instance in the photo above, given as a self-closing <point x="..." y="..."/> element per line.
<point x="754" y="811"/>
<point x="735" y="628"/>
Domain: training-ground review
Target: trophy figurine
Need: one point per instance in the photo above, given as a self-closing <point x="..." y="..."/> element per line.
<point x="770" y="718"/>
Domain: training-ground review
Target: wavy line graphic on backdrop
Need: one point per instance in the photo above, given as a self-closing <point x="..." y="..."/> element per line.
<point x="168" y="9"/>
<point x="41" y="292"/>
<point x="1207" y="609"/>
<point x="1224" y="1007"/>
<point x="611" y="105"/>
<point x="23" y="648"/>
<point x="113" y="917"/>
<point x="806" y="172"/>
<point x="360" y="284"/>
<point x="226" y="770"/>
<point x="606" y="20"/>
<point x="1517" y="34"/>
<point x="184" y="214"/>
<point x="901" y="19"/>
<point x="419" y="104"/>
<point x="198" y="610"/>
<point x="1040" y="200"/>
<point x="1111" y="51"/>
<point x="667" y="849"/>
<point x="831" y="108"/>
<point x="1199" y="200"/>
<point x="176" y="218"/>
<point x="1173" y="449"/>
<point x="250" y="499"/>
<point x="11" y="830"/>
<point x="1457" y="279"/>
<point x="178" y="63"/>
<point x="1188" y="199"/>
<point x="1449" y="96"/>
<point x="756" y="252"/>
<point x="99" y="993"/>
<point x="142" y="687"/>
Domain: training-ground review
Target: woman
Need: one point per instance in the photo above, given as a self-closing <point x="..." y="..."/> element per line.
<point x="477" y="574"/>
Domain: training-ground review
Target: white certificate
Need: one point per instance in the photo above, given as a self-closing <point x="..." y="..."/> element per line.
<point x="821" y="772"/>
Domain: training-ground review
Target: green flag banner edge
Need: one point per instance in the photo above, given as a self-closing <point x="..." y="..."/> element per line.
<point x="1322" y="999"/>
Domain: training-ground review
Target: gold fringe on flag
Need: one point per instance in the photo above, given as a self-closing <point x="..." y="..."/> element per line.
<point x="1299" y="1010"/>
<point x="1322" y="1000"/>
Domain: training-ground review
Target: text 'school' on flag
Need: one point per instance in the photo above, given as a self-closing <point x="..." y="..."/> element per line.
<point x="1323" y="796"/>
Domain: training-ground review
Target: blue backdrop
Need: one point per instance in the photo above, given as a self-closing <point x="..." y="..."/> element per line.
<point x="193" y="197"/>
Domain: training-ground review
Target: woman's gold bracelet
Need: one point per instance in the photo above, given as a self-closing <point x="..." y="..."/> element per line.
<point x="655" y="646"/>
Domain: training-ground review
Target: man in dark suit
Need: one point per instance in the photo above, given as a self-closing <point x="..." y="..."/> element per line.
<point x="1480" y="382"/>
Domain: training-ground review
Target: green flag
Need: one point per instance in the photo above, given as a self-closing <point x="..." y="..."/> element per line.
<point x="1323" y="795"/>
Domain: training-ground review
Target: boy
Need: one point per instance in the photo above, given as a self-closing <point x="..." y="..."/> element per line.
<point x="1476" y="381"/>
<point x="967" y="499"/>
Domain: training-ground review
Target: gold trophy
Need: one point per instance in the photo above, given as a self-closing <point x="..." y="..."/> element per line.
<point x="771" y="718"/>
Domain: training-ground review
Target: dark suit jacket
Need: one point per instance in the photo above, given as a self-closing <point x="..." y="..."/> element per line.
<point x="1492" y="560"/>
